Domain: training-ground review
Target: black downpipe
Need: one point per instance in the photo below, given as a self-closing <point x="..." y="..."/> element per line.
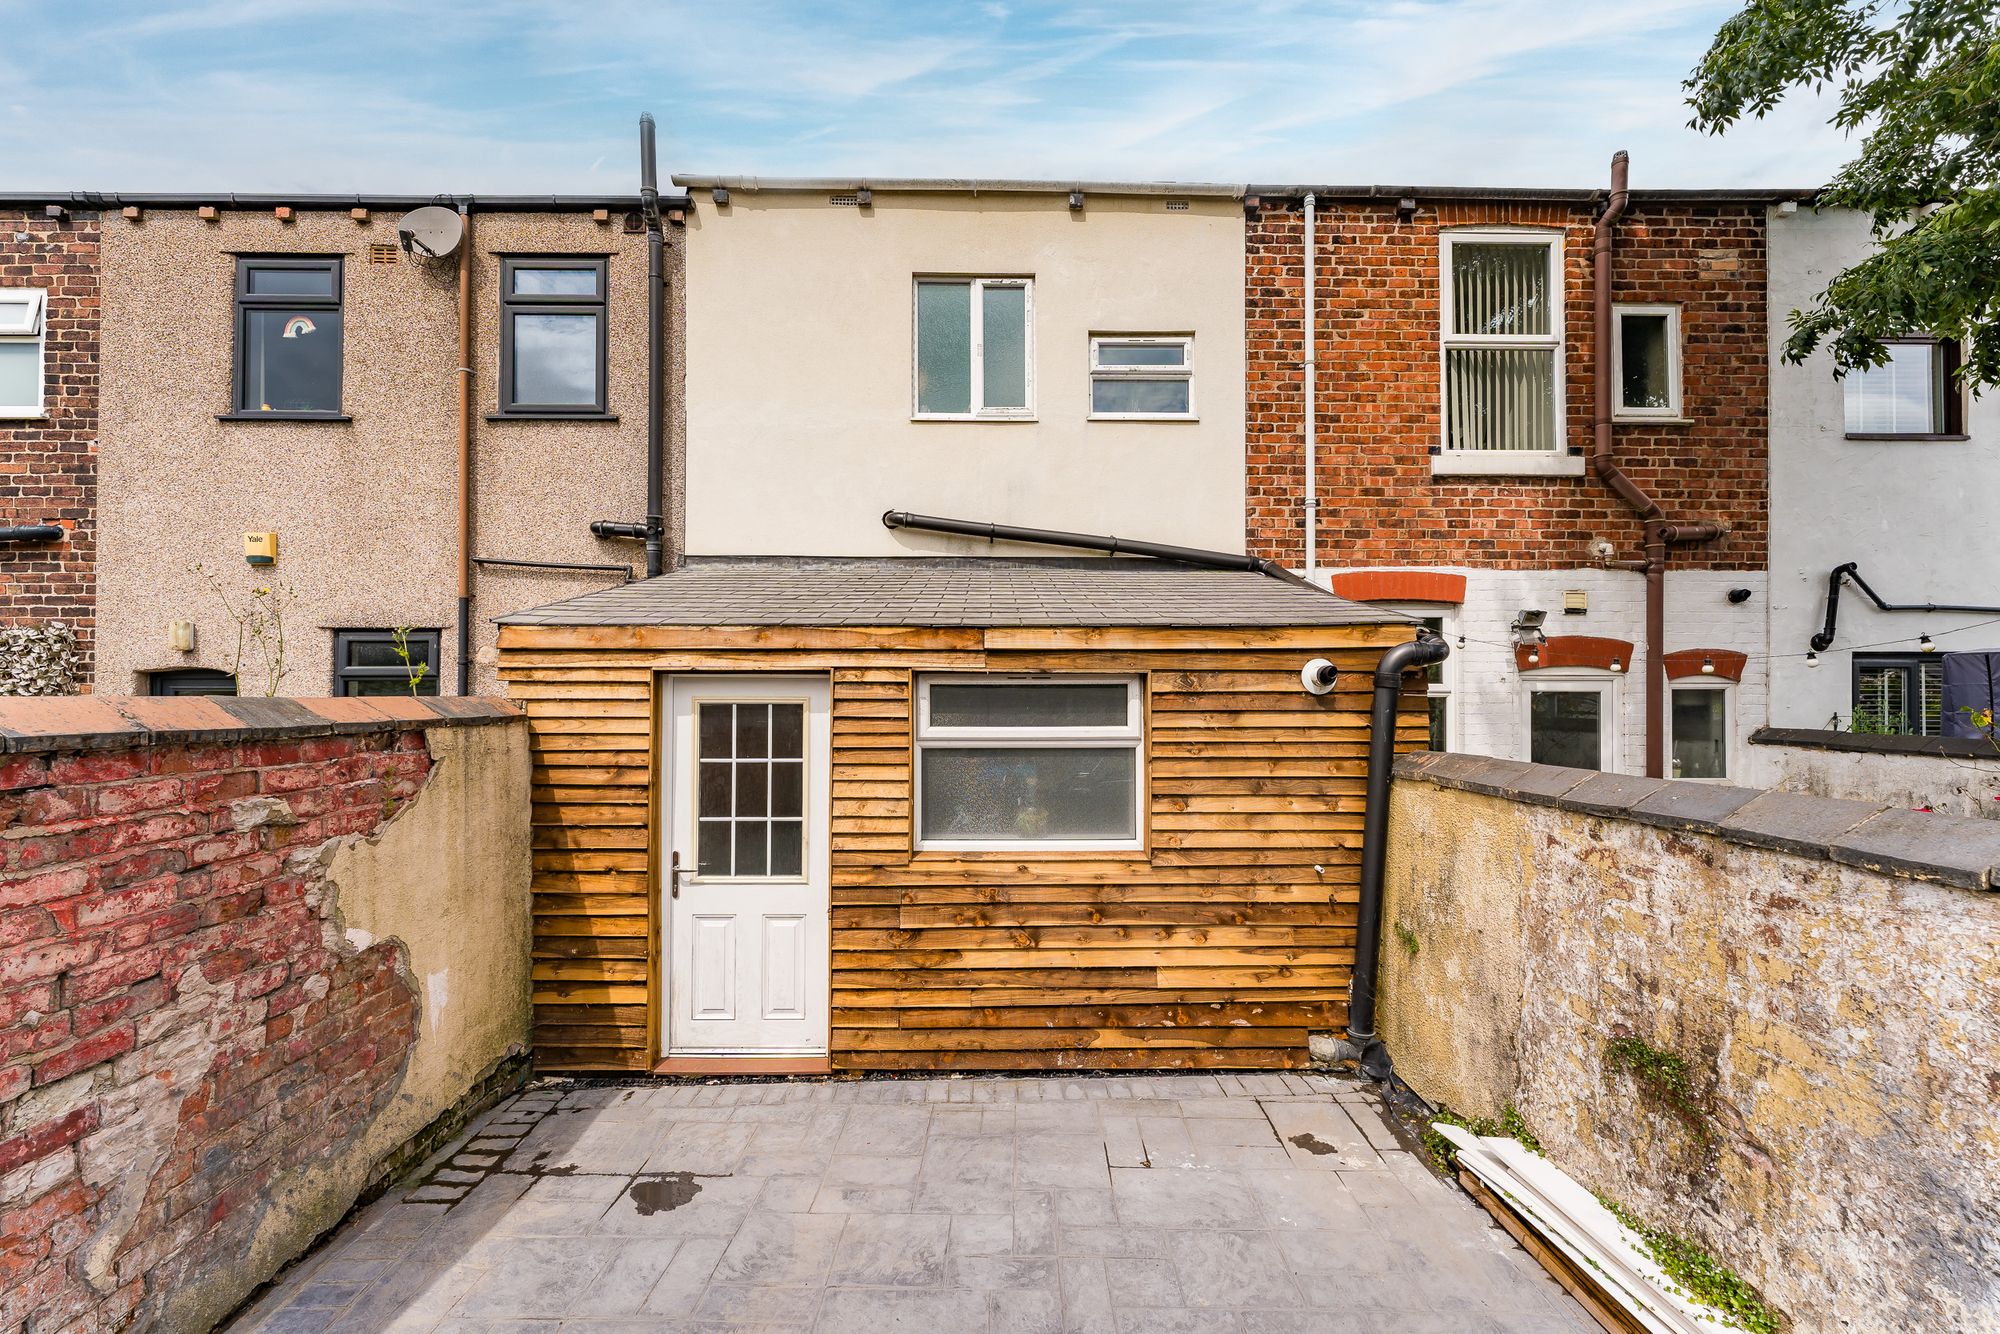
<point x="1050" y="537"/>
<point x="30" y="532"/>
<point x="1824" y="639"/>
<point x="1424" y="650"/>
<point x="656" y="321"/>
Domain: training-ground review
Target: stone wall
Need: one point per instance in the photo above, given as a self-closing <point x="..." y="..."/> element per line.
<point x="248" y="950"/>
<point x="1823" y="970"/>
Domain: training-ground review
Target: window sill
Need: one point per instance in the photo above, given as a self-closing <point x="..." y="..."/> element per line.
<point x="933" y="852"/>
<point x="971" y="417"/>
<point x="552" y="416"/>
<point x="1914" y="436"/>
<point x="1621" y="420"/>
<point x="1140" y="417"/>
<point x="1507" y="463"/>
<point x="6" y="416"/>
<point x="283" y="417"/>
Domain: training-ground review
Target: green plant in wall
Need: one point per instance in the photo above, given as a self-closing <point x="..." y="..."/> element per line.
<point x="415" y="670"/>
<point x="1665" y="1076"/>
<point x="1867" y="722"/>
<point x="1407" y="939"/>
<point x="1511" y="1125"/>
<point x="1702" y="1276"/>
<point x="258" y="614"/>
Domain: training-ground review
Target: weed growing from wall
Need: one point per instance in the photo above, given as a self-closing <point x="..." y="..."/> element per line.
<point x="1407" y="939"/>
<point x="1702" y="1276"/>
<point x="1665" y="1076"/>
<point x="1511" y="1125"/>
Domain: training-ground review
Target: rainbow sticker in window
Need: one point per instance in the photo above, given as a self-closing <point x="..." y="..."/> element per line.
<point x="297" y="325"/>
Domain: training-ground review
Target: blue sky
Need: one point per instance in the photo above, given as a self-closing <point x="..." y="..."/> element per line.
<point x="535" y="95"/>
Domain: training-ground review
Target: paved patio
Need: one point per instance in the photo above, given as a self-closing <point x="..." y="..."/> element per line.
<point x="1199" y="1204"/>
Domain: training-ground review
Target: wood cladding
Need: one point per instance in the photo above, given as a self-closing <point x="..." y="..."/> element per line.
<point x="1221" y="944"/>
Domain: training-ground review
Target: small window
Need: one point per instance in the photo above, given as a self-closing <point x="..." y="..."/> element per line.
<point x="23" y="312"/>
<point x="975" y="340"/>
<point x="190" y="681"/>
<point x="1646" y="348"/>
<point x="288" y="337"/>
<point x="1005" y="761"/>
<point x="750" y="817"/>
<point x="1147" y="378"/>
<point x="385" y="662"/>
<point x="1701" y="724"/>
<point x="1440" y="677"/>
<point x="552" y="336"/>
<point x="1915" y="394"/>
<point x="1569" y="723"/>
<point x="1502" y="341"/>
<point x="1898" y="694"/>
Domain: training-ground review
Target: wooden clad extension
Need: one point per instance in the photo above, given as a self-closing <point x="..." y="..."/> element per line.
<point x="1221" y="944"/>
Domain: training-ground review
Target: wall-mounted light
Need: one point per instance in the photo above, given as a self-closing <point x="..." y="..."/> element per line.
<point x="1812" y="658"/>
<point x="1617" y="664"/>
<point x="1707" y="665"/>
<point x="1739" y="595"/>
<point x="1406" y="209"/>
<point x="720" y="196"/>
<point x="1534" y="655"/>
<point x="864" y="198"/>
<point x="1076" y="201"/>
<point x="1925" y="644"/>
<point x="180" y="636"/>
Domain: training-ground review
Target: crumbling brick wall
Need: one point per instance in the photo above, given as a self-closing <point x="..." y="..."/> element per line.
<point x="48" y="468"/>
<point x="182" y="1019"/>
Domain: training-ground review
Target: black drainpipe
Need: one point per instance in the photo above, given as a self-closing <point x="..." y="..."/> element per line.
<point x="1050" y="537"/>
<point x="653" y="530"/>
<point x="1422" y="651"/>
<point x="30" y="532"/>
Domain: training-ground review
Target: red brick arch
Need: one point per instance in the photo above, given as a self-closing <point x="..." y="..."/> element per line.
<point x="1687" y="662"/>
<point x="1577" y="651"/>
<point x="1399" y="586"/>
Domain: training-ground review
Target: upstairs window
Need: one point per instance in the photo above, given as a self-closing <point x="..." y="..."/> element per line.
<point x="1142" y="378"/>
<point x="385" y="662"/>
<point x="1898" y="694"/>
<point x="23" y="315"/>
<point x="288" y="336"/>
<point x="975" y="348"/>
<point x="1915" y="394"/>
<point x="1502" y="341"/>
<point x="1646" y="356"/>
<point x="552" y="336"/>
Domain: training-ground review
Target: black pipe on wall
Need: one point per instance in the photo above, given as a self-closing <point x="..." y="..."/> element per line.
<point x="1051" y="537"/>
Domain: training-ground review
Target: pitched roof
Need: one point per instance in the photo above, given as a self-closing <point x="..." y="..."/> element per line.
<point x="955" y="592"/>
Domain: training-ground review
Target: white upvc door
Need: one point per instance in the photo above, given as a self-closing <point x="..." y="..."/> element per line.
<point x="747" y="870"/>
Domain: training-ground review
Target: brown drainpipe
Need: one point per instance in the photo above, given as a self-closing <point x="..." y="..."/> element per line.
<point x="465" y="450"/>
<point x="1660" y="536"/>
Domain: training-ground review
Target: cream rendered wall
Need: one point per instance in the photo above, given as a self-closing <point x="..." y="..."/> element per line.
<point x="799" y="352"/>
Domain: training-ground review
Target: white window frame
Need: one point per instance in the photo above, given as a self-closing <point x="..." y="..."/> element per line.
<point x="1577" y="680"/>
<point x="978" y="344"/>
<point x="1184" y="372"/>
<point x="1446" y="615"/>
<point x="1132" y="733"/>
<point x="1555" y="459"/>
<point x="32" y="327"/>
<point x="1727" y="689"/>
<point x="1674" y="410"/>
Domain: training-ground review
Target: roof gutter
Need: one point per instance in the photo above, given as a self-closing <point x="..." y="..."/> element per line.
<point x="96" y="199"/>
<point x="951" y="185"/>
<point x="1116" y="546"/>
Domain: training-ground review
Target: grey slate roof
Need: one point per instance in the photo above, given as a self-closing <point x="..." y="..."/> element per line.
<point x="954" y="592"/>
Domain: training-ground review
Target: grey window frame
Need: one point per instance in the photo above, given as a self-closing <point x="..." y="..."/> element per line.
<point x="188" y="681"/>
<point x="1912" y="666"/>
<point x="245" y="301"/>
<point x="554" y="303"/>
<point x="343" y="674"/>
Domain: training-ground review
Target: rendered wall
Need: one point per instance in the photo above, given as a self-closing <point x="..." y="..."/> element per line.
<point x="799" y="372"/>
<point x="1825" y="970"/>
<point x="242" y="966"/>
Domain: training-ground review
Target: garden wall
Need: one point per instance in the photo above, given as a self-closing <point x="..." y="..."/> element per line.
<point x="250" y="950"/>
<point x="1763" y="1020"/>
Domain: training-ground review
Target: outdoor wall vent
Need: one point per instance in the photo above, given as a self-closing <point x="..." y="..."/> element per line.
<point x="383" y="252"/>
<point x="844" y="201"/>
<point x="1177" y="206"/>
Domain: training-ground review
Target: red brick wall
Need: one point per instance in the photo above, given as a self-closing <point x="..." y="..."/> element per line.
<point x="179" y="1024"/>
<point x="1378" y="390"/>
<point x="48" y="469"/>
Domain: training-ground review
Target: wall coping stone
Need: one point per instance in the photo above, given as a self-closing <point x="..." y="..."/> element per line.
<point x="1918" y="845"/>
<point x="1809" y="738"/>
<point x="42" y="724"/>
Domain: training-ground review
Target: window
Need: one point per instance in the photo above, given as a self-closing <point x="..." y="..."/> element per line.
<point x="288" y="329"/>
<point x="1440" y="677"/>
<point x="1646" y="351"/>
<point x="1916" y="394"/>
<point x="371" y="662"/>
<point x="750" y="793"/>
<point x="1051" y="761"/>
<point x="1700" y="716"/>
<point x="1502" y="341"/>
<point x="1898" y="694"/>
<point x="23" y="311"/>
<point x="1142" y="378"/>
<point x="190" y="681"/>
<point x="552" y="336"/>
<point x="1570" y="722"/>
<point x="975" y="347"/>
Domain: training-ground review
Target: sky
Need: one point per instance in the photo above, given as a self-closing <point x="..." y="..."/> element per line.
<point x="540" y="96"/>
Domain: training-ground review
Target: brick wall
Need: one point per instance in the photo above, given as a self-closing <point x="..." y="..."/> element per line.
<point x="48" y="469"/>
<point x="180" y="1023"/>
<point x="1378" y="390"/>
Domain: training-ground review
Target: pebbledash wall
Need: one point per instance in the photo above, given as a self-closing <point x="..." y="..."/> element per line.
<point x="255" y="955"/>
<point x="1823" y="970"/>
<point x="48" y="464"/>
<point x="1517" y="542"/>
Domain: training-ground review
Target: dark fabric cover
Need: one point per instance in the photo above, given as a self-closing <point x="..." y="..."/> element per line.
<point x="1971" y="681"/>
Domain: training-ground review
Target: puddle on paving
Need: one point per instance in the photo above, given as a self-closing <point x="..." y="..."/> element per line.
<point x="1313" y="1144"/>
<point x="668" y="1190"/>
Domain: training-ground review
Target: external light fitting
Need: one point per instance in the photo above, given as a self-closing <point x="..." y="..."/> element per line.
<point x="1534" y="655"/>
<point x="1617" y="664"/>
<point x="1076" y="201"/>
<point x="1925" y="644"/>
<point x="1707" y="665"/>
<point x="1812" y="658"/>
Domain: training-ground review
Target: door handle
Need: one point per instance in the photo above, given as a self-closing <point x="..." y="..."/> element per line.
<point x="674" y="873"/>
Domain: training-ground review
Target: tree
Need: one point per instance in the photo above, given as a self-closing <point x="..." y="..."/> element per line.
<point x="1921" y="79"/>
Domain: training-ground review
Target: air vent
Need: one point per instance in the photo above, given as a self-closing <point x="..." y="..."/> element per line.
<point x="1177" y="206"/>
<point x="382" y="252"/>
<point x="844" y="201"/>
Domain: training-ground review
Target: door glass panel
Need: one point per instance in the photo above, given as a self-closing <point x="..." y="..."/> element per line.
<point x="750" y="798"/>
<point x="1566" y="727"/>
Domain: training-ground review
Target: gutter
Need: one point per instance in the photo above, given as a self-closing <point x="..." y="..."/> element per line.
<point x="1116" y="546"/>
<point x="96" y="199"/>
<point x="1552" y="195"/>
<point x="951" y="186"/>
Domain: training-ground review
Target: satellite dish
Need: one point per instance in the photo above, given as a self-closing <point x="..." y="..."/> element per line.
<point x="430" y="233"/>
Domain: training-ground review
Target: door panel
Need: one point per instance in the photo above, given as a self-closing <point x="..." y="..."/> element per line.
<point x="747" y="805"/>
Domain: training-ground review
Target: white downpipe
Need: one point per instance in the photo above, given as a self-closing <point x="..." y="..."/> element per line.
<point x="1311" y="412"/>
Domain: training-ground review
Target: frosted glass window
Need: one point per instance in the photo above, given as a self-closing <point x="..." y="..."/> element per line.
<point x="749" y="789"/>
<point x="1142" y="377"/>
<point x="1502" y="363"/>
<point x="1701" y="733"/>
<point x="1566" y="727"/>
<point x="974" y="347"/>
<point x="1053" y="705"/>
<point x="20" y="376"/>
<point x="1905" y="397"/>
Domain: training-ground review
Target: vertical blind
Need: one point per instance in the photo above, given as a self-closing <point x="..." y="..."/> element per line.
<point x="1905" y="397"/>
<point x="1500" y="355"/>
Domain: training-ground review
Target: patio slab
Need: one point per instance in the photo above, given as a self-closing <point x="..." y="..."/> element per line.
<point x="1235" y="1204"/>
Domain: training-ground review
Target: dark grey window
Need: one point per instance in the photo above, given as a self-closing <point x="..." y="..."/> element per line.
<point x="1898" y="694"/>
<point x="190" y="681"/>
<point x="382" y="662"/>
<point x="552" y="337"/>
<point x="288" y="336"/>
